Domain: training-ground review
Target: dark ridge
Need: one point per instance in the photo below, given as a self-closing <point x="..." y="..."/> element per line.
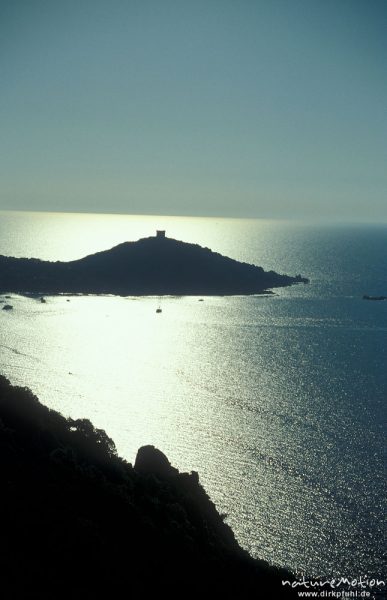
<point x="151" y="266"/>
<point x="80" y="522"/>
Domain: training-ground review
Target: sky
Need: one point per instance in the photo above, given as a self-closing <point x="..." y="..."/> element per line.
<point x="243" y="108"/>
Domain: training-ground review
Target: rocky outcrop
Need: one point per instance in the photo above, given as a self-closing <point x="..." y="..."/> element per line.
<point x="151" y="460"/>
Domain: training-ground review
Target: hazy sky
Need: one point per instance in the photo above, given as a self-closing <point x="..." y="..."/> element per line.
<point x="265" y="108"/>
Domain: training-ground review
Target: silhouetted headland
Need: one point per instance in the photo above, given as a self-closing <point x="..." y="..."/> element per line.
<point x="155" y="265"/>
<point x="80" y="522"/>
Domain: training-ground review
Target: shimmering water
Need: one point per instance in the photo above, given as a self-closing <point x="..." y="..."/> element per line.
<point x="278" y="401"/>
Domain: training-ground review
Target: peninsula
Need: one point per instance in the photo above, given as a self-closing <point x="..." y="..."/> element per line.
<point x="155" y="265"/>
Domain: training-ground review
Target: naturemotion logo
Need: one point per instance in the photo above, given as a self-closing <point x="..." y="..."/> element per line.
<point x="342" y="587"/>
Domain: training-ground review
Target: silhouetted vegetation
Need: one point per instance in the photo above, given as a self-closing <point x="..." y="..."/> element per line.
<point x="80" y="522"/>
<point x="150" y="266"/>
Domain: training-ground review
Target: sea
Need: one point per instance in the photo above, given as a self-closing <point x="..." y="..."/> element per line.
<point x="277" y="401"/>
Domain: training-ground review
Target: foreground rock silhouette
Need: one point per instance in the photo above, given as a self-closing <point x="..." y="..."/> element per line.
<point x="80" y="522"/>
<point x="151" y="266"/>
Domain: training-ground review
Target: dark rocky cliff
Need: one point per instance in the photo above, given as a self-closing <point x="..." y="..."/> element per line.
<point x="150" y="266"/>
<point x="80" y="522"/>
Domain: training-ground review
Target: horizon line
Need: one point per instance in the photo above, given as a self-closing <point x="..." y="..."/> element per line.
<point x="296" y="219"/>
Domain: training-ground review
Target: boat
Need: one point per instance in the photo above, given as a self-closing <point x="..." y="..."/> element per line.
<point x="366" y="297"/>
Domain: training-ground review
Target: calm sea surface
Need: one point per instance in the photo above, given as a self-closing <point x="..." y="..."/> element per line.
<point x="278" y="402"/>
